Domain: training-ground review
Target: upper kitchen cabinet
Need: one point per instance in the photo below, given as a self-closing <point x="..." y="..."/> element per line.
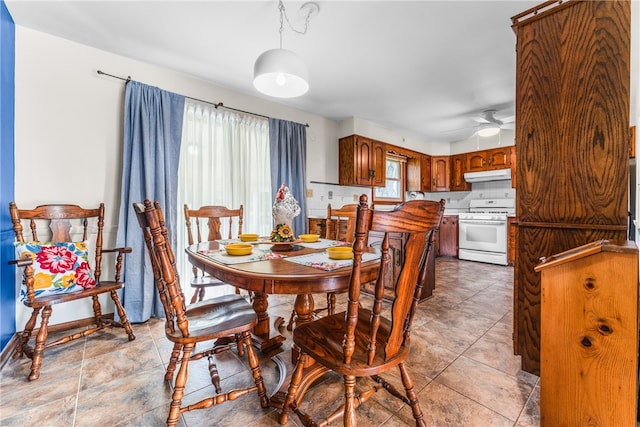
<point x="495" y="158"/>
<point x="419" y="173"/>
<point x="362" y="161"/>
<point x="440" y="173"/>
<point x="458" y="168"/>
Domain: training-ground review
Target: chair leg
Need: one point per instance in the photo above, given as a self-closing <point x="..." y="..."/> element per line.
<point x="97" y="312"/>
<point x="331" y="303"/>
<point x="26" y="334"/>
<point x="123" y="315"/>
<point x="292" y="391"/>
<point x="173" y="361"/>
<point x="178" y="388"/>
<point x="240" y="344"/>
<point x="411" y="395"/>
<point x="41" y="338"/>
<point x="254" y="364"/>
<point x="194" y="298"/>
<point x="349" y="417"/>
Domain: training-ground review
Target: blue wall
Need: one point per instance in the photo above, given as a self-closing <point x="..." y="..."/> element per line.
<point x="7" y="97"/>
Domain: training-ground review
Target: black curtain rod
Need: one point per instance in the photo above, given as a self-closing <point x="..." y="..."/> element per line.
<point x="216" y="105"/>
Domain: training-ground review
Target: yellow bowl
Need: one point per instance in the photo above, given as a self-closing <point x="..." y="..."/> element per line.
<point x="238" y="249"/>
<point x="309" y="238"/>
<point x="248" y="237"/>
<point x="340" y="252"/>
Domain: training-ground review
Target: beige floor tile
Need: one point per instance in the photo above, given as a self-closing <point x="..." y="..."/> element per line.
<point x="461" y="363"/>
<point x="494" y="389"/>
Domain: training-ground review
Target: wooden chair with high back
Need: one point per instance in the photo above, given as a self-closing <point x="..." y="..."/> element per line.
<point x="57" y="269"/>
<point x="202" y="321"/>
<point x="339" y="225"/>
<point x="341" y="222"/>
<point x="367" y="340"/>
<point x="210" y="219"/>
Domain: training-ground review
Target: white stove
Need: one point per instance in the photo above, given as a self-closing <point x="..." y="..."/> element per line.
<point x="483" y="230"/>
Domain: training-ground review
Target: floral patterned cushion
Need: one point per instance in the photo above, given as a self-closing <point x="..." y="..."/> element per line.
<point x="58" y="267"/>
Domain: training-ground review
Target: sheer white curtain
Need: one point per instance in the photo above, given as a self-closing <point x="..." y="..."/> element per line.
<point x="224" y="160"/>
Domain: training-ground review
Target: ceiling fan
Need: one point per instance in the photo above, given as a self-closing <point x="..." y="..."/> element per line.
<point x="489" y="125"/>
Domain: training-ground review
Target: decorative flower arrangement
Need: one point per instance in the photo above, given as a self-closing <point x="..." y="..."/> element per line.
<point x="282" y="233"/>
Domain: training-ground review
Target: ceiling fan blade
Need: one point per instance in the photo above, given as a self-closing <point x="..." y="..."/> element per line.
<point x="458" y="129"/>
<point x="510" y="125"/>
<point x="509" y="119"/>
<point x="480" y="120"/>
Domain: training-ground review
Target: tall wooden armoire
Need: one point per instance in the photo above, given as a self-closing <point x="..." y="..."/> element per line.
<point x="572" y="139"/>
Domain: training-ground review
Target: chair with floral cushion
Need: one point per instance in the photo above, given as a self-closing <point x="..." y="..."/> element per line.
<point x="57" y="268"/>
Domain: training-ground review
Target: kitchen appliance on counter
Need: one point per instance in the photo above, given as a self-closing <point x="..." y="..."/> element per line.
<point x="483" y="230"/>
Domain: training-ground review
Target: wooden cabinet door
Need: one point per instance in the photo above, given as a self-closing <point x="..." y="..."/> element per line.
<point x="499" y="158"/>
<point x="378" y="163"/>
<point x="425" y="172"/>
<point x="396" y="245"/>
<point x="364" y="154"/>
<point x="440" y="173"/>
<point x="458" y="165"/>
<point x="476" y="161"/>
<point x="361" y="161"/>
<point x="448" y="236"/>
<point x="414" y="174"/>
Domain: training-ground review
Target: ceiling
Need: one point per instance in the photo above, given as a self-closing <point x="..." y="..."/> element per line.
<point x="426" y="67"/>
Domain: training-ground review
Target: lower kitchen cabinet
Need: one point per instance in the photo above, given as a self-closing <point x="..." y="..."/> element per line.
<point x="396" y="244"/>
<point x="448" y="236"/>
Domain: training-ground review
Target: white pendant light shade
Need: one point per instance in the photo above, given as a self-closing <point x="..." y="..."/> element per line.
<point x="280" y="73"/>
<point x="489" y="129"/>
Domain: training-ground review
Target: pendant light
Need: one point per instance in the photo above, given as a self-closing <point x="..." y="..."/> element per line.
<point x="280" y="72"/>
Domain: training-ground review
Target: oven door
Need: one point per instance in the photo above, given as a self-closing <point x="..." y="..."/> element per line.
<point x="483" y="235"/>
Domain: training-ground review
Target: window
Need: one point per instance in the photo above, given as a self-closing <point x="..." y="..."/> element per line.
<point x="393" y="191"/>
<point x="224" y="160"/>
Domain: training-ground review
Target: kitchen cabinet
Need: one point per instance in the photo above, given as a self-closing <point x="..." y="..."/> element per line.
<point x="440" y="173"/>
<point x="361" y="161"/>
<point x="495" y="158"/>
<point x="564" y="143"/>
<point x="396" y="244"/>
<point x="419" y="173"/>
<point x="458" y="168"/>
<point x="448" y="236"/>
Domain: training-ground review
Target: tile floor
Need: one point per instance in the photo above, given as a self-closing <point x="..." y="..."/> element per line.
<point x="461" y="361"/>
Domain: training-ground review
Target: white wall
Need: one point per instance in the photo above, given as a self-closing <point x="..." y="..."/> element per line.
<point x="68" y="130"/>
<point x="68" y="133"/>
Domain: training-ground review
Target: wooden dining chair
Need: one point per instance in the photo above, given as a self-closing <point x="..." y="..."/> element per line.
<point x="366" y="341"/>
<point x="57" y="269"/>
<point x="207" y="320"/>
<point x="341" y="222"/>
<point x="339" y="225"/>
<point x="206" y="223"/>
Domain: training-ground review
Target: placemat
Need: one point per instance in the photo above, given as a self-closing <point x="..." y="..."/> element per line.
<point x="321" y="260"/>
<point x="324" y="243"/>
<point x="220" y="255"/>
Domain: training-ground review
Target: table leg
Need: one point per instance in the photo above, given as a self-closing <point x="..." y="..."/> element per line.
<point x="268" y="345"/>
<point x="303" y="308"/>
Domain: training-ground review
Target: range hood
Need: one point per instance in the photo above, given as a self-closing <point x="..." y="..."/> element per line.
<point x="493" y="175"/>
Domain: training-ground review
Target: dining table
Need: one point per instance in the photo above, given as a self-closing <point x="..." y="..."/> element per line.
<point x="300" y="269"/>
